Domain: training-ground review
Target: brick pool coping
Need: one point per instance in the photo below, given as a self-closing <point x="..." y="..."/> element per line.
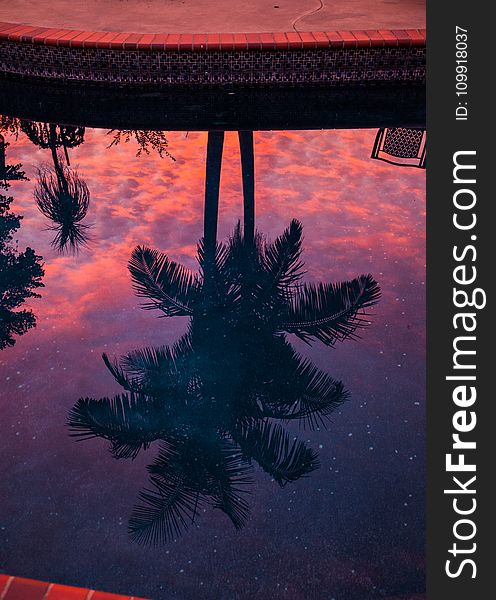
<point x="207" y="59"/>
<point x="20" y="588"/>
<point x="199" y="42"/>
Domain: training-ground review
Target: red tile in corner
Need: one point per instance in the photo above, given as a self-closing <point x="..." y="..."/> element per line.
<point x="104" y="42"/>
<point x="321" y="39"/>
<point x="213" y="41"/>
<point x="62" y="38"/>
<point x="3" y="27"/>
<point x="402" y="37"/>
<point x="362" y="38"/>
<point x="389" y="38"/>
<point x="416" y="37"/>
<point x="185" y="41"/>
<point x="37" y="31"/>
<point x="307" y="39"/>
<point x="254" y="41"/>
<point x="375" y="38"/>
<point x="349" y="40"/>
<point x="11" y="28"/>
<point x="199" y="41"/>
<point x="118" y="40"/>
<point x="239" y="41"/>
<point x="281" y="41"/>
<point x="20" y="31"/>
<point x="131" y="42"/>
<point x="226" y="41"/>
<point x="5" y="580"/>
<point x="335" y="39"/>
<point x="56" y="36"/>
<point x="78" y="41"/>
<point x="294" y="40"/>
<point x="268" y="42"/>
<point x="159" y="41"/>
<point x="92" y="41"/>
<point x="25" y="589"/>
<point x="145" y="41"/>
<point x="64" y="592"/>
<point x="172" y="41"/>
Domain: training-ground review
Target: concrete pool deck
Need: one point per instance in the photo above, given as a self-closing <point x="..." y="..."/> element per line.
<point x="214" y="43"/>
<point x="216" y="16"/>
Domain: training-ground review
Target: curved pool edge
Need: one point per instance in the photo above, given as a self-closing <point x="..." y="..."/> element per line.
<point x="14" y="588"/>
<point x="280" y="58"/>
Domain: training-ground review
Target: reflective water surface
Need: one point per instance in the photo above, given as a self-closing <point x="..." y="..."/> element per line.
<point x="265" y="415"/>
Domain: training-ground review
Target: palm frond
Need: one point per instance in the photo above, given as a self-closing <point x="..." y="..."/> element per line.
<point x="230" y="474"/>
<point x="298" y="390"/>
<point x="214" y="468"/>
<point x="155" y="370"/>
<point x="165" y="511"/>
<point x="129" y="422"/>
<point x="244" y="267"/>
<point x="160" y="360"/>
<point x="282" y="259"/>
<point x="130" y="385"/>
<point x="213" y="266"/>
<point x="167" y="285"/>
<point x="331" y="312"/>
<point x="272" y="448"/>
<point x="238" y="248"/>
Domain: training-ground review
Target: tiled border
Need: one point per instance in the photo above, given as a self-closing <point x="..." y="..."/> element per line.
<point x="200" y="42"/>
<point x="320" y="58"/>
<point x="19" y="588"/>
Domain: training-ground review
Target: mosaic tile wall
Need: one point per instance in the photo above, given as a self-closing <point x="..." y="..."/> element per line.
<point x="332" y="66"/>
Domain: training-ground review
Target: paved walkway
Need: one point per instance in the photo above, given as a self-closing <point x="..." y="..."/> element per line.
<point x="216" y="16"/>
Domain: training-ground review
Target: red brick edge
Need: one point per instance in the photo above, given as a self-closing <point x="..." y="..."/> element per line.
<point x="18" y="588"/>
<point x="211" y="41"/>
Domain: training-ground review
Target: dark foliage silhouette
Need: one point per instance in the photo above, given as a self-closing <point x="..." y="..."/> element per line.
<point x="63" y="197"/>
<point x="20" y="275"/>
<point x="60" y="194"/>
<point x="51" y="136"/>
<point x="10" y="125"/>
<point x="146" y="140"/>
<point x="9" y="172"/>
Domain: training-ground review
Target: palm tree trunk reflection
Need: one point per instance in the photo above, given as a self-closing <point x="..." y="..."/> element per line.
<point x="215" y="146"/>
<point x="248" y="175"/>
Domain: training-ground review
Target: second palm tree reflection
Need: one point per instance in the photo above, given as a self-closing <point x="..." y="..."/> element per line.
<point x="216" y="399"/>
<point x="61" y="195"/>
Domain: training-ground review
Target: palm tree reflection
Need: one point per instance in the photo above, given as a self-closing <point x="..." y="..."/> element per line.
<point x="61" y="195"/>
<point x="215" y="400"/>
